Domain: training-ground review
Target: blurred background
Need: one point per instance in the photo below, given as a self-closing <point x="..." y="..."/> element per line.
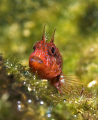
<point x="21" y="25"/>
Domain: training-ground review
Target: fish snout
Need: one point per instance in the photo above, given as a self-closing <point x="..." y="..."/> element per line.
<point x="35" y="63"/>
<point x="36" y="59"/>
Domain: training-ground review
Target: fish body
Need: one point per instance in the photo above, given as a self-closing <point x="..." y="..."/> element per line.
<point x="46" y="60"/>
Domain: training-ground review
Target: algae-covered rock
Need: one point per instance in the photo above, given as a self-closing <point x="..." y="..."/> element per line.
<point x="24" y="96"/>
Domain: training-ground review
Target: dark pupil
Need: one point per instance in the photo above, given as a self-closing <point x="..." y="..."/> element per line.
<point x="52" y="50"/>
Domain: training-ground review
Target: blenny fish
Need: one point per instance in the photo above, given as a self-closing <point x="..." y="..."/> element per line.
<point x="46" y="60"/>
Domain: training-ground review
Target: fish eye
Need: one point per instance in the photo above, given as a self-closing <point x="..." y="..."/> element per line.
<point x="34" y="47"/>
<point x="52" y="50"/>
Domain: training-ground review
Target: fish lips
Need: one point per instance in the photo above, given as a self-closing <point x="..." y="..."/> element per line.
<point x="36" y="59"/>
<point x="35" y="62"/>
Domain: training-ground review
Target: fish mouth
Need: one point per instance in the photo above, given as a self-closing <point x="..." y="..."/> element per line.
<point x="35" y="63"/>
<point x="36" y="59"/>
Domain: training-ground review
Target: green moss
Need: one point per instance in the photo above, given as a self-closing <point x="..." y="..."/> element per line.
<point x="23" y="96"/>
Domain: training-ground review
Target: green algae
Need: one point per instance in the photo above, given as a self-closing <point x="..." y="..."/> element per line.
<point x="24" y="96"/>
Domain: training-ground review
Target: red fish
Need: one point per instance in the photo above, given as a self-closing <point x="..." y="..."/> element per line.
<point x="46" y="60"/>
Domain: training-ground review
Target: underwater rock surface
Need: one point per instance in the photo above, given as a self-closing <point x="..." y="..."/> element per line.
<point x="24" y="97"/>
